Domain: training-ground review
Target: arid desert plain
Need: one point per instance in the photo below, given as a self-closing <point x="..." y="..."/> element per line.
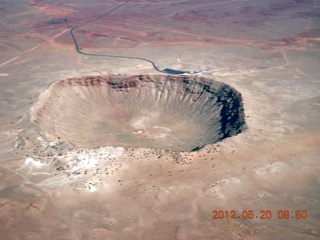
<point x="101" y="139"/>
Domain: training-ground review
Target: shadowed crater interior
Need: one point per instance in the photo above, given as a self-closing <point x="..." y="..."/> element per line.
<point x="177" y="113"/>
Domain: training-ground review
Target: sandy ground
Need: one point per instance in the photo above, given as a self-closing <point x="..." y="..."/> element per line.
<point x="267" y="50"/>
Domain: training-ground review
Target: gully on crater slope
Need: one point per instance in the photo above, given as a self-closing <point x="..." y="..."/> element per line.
<point x="176" y="113"/>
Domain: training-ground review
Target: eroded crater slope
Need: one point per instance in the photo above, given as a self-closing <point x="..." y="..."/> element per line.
<point x="177" y="113"/>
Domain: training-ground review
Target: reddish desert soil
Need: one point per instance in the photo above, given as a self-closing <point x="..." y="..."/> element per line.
<point x="267" y="50"/>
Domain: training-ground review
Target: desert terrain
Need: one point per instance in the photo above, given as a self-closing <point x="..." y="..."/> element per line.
<point x="262" y="183"/>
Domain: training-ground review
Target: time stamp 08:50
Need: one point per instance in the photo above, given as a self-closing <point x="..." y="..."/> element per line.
<point x="263" y="214"/>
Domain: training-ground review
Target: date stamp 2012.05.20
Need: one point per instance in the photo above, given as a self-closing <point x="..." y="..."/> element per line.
<point x="262" y="214"/>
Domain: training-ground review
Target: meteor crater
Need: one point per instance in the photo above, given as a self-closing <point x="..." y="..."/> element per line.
<point x="176" y="113"/>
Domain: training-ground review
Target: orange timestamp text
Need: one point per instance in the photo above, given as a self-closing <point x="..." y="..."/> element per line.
<point x="263" y="214"/>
